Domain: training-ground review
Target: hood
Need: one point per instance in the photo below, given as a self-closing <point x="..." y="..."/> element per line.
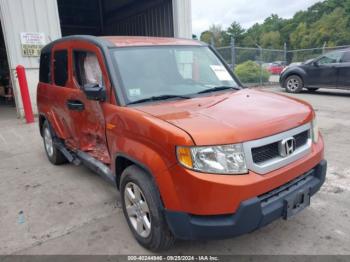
<point x="233" y="117"/>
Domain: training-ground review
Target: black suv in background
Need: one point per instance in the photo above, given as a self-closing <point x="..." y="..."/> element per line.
<point x="331" y="70"/>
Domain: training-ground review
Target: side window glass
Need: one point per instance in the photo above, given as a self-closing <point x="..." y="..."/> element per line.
<point x="87" y="69"/>
<point x="346" y="57"/>
<point x="61" y="67"/>
<point x="45" y="75"/>
<point x="330" y="58"/>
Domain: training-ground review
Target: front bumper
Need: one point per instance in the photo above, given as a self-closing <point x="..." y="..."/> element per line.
<point x="251" y="214"/>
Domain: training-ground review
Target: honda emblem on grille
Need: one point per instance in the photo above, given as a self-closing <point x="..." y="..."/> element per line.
<point x="287" y="146"/>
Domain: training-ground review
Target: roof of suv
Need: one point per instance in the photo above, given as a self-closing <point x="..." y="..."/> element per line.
<point x="123" y="41"/>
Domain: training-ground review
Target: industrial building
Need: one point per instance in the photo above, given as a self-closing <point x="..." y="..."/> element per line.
<point x="27" y="25"/>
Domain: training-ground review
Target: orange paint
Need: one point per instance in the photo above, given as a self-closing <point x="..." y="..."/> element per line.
<point x="150" y="133"/>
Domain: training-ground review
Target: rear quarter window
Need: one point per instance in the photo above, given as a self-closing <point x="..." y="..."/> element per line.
<point x="346" y="57"/>
<point x="45" y="68"/>
<point x="61" y="67"/>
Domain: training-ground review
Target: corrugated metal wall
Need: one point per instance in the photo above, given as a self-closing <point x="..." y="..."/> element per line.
<point x="145" y="18"/>
<point x="27" y="16"/>
<point x="182" y="13"/>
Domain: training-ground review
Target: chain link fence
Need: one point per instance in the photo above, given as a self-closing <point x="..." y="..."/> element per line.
<point x="261" y="66"/>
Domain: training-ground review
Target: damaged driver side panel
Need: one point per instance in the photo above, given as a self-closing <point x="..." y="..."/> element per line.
<point x="86" y="115"/>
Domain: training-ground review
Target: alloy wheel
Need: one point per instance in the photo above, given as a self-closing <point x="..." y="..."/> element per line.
<point x="137" y="210"/>
<point x="293" y="84"/>
<point x="48" y="142"/>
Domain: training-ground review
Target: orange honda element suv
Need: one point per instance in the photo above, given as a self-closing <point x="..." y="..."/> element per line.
<point x="193" y="153"/>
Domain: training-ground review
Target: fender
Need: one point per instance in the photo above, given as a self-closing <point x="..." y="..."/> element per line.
<point x="154" y="164"/>
<point x="51" y="117"/>
<point x="294" y="71"/>
<point x="147" y="141"/>
<point x="52" y="121"/>
<point x="45" y="111"/>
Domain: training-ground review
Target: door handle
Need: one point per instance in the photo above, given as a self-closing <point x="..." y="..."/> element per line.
<point x="75" y="105"/>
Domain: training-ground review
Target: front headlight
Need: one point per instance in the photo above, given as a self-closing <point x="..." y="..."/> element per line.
<point x="226" y="159"/>
<point x="315" y="131"/>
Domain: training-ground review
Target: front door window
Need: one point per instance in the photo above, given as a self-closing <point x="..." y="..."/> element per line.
<point x="87" y="69"/>
<point x="330" y="58"/>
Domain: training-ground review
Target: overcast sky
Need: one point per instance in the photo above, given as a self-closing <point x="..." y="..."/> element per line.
<point x="246" y="12"/>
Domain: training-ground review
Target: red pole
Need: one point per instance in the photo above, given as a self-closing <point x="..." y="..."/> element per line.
<point x="23" y="85"/>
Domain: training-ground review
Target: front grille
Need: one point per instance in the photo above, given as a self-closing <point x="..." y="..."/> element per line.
<point x="264" y="153"/>
<point x="268" y="152"/>
<point x="301" y="139"/>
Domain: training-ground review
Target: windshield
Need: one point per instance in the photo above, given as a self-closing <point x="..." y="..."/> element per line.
<point x="163" y="71"/>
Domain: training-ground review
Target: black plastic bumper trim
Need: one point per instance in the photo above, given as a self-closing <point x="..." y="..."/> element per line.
<point x="251" y="215"/>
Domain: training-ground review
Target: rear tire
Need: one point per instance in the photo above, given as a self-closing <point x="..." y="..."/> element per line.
<point x="143" y="210"/>
<point x="53" y="154"/>
<point x="293" y="84"/>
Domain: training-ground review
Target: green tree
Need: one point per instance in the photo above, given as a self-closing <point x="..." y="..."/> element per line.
<point x="252" y="35"/>
<point x="271" y="39"/>
<point x="324" y="22"/>
<point x="300" y="38"/>
<point x="332" y="29"/>
<point x="206" y="36"/>
<point x="215" y="34"/>
<point x="236" y="31"/>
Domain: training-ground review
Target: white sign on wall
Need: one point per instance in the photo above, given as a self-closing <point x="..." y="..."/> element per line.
<point x="32" y="43"/>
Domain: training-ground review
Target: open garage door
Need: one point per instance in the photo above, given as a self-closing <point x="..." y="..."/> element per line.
<point x="116" y="17"/>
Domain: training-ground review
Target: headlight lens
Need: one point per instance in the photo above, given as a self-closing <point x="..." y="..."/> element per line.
<point x="226" y="159"/>
<point x="315" y="131"/>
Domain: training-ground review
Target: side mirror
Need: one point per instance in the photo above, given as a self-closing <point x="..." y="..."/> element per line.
<point x="95" y="92"/>
<point x="315" y="63"/>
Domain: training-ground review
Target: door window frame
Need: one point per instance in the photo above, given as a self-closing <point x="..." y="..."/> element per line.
<point x="324" y="56"/>
<point x="74" y="72"/>
<point x="84" y="46"/>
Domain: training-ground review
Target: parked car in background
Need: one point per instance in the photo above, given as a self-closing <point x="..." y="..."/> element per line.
<point x="275" y="68"/>
<point x="194" y="154"/>
<point x="331" y="70"/>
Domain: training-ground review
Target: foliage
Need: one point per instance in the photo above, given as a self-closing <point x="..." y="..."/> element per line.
<point x="249" y="72"/>
<point x="235" y="30"/>
<point x="324" y="22"/>
<point x="214" y="34"/>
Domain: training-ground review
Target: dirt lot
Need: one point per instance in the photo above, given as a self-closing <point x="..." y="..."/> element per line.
<point x="69" y="210"/>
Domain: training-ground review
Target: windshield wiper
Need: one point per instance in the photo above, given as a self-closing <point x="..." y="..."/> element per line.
<point x="158" y="98"/>
<point x="218" y="88"/>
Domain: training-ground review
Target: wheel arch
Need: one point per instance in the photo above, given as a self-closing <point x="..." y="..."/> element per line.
<point x="298" y="72"/>
<point x="123" y="161"/>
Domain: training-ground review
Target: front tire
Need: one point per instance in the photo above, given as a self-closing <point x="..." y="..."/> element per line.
<point x="142" y="209"/>
<point x="53" y="153"/>
<point x="293" y="84"/>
